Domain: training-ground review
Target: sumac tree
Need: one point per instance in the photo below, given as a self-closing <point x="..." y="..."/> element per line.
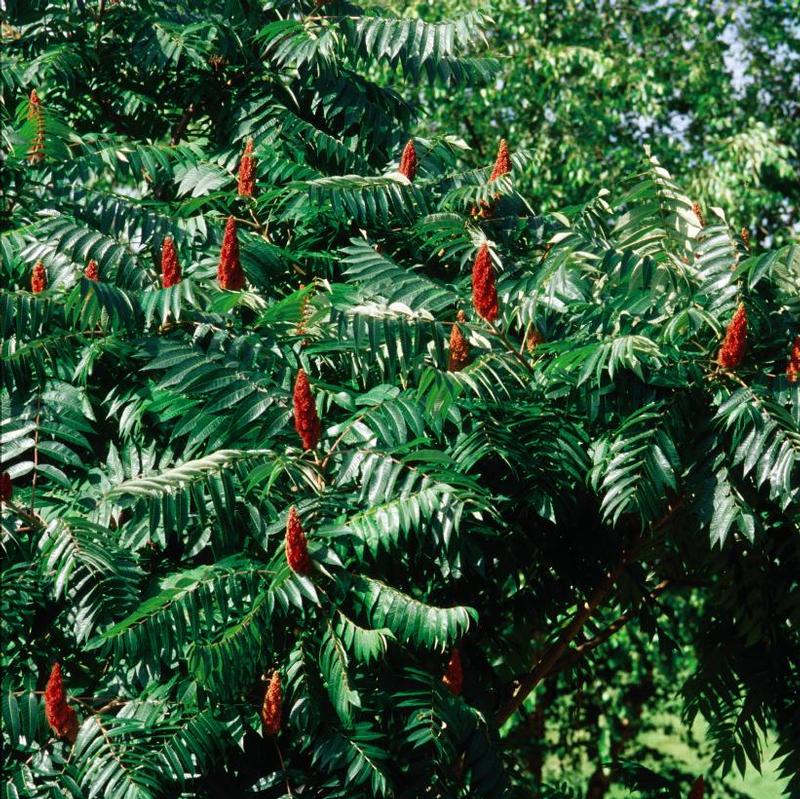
<point x="330" y="467"/>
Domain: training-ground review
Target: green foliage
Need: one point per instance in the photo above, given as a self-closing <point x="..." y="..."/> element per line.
<point x="599" y="505"/>
<point x="711" y="87"/>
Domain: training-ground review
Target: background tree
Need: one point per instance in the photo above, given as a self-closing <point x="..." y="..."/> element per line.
<point x="337" y="472"/>
<point x="712" y="87"/>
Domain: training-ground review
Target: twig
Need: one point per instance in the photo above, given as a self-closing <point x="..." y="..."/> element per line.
<point x="36" y="451"/>
<point x="553" y="654"/>
<point x="114" y="703"/>
<point x="262" y="229"/>
<point x="32" y="518"/>
<point x="183" y="123"/>
<point x="283" y="767"/>
<point x="473" y="134"/>
<point x="101" y="8"/>
<point x="570" y="658"/>
<point x="510" y="347"/>
<point x="339" y="438"/>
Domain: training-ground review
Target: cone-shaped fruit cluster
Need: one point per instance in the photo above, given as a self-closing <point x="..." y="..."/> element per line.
<point x="502" y="164"/>
<point x="733" y="346"/>
<point x="38" y="278"/>
<point x="60" y="716"/>
<point x="793" y="366"/>
<point x="454" y="676"/>
<point x="408" y="161"/>
<point x="170" y="268"/>
<point x="247" y="171"/>
<point x="229" y="272"/>
<point x="296" y="544"/>
<point x="698" y="212"/>
<point x="306" y="421"/>
<point x="92" y="271"/>
<point x="484" y="292"/>
<point x="36" y="115"/>
<point x="271" y="709"/>
<point x="34" y="104"/>
<point x="459" y="346"/>
<point x="745" y="234"/>
<point x="533" y="339"/>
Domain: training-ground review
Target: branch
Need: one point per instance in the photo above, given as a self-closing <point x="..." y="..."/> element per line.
<point x="183" y="123"/>
<point x="31" y="518"/>
<point x="510" y="347"/>
<point x="553" y="654"/>
<point x="36" y="452"/>
<point x="283" y="768"/>
<point x="570" y="658"/>
<point x="473" y="134"/>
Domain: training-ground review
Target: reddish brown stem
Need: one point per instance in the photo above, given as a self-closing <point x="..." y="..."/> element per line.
<point x="183" y="123"/>
<point x="36" y="452"/>
<point x="551" y="656"/>
<point x="283" y="767"/>
<point x="570" y="658"/>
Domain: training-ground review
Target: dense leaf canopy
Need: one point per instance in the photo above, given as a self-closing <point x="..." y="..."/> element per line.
<point x="294" y="511"/>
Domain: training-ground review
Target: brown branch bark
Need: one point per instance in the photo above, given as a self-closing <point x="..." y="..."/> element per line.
<point x="283" y="768"/>
<point x="183" y="123"/>
<point x="551" y="656"/>
<point x="510" y="347"/>
<point x="554" y="653"/>
<point x="32" y="519"/>
<point x="36" y="452"/>
<point x="570" y="658"/>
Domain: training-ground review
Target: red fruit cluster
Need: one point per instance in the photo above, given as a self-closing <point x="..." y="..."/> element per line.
<point x="745" y="234"/>
<point x="92" y="271"/>
<point x="408" y="161"/>
<point x="60" y="716"/>
<point x="533" y="339"/>
<point x="34" y="104"/>
<point x="229" y="272"/>
<point x="698" y="788"/>
<point x="306" y="420"/>
<point x="6" y="487"/>
<point x="271" y="709"/>
<point x="454" y="676"/>
<point x="502" y="164"/>
<point x="733" y="346"/>
<point x="305" y="314"/>
<point x="38" y="278"/>
<point x="36" y="114"/>
<point x="459" y="346"/>
<point x="793" y="366"/>
<point x="296" y="544"/>
<point x="247" y="171"/>
<point x="698" y="212"/>
<point x="170" y="268"/>
<point x="484" y="292"/>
